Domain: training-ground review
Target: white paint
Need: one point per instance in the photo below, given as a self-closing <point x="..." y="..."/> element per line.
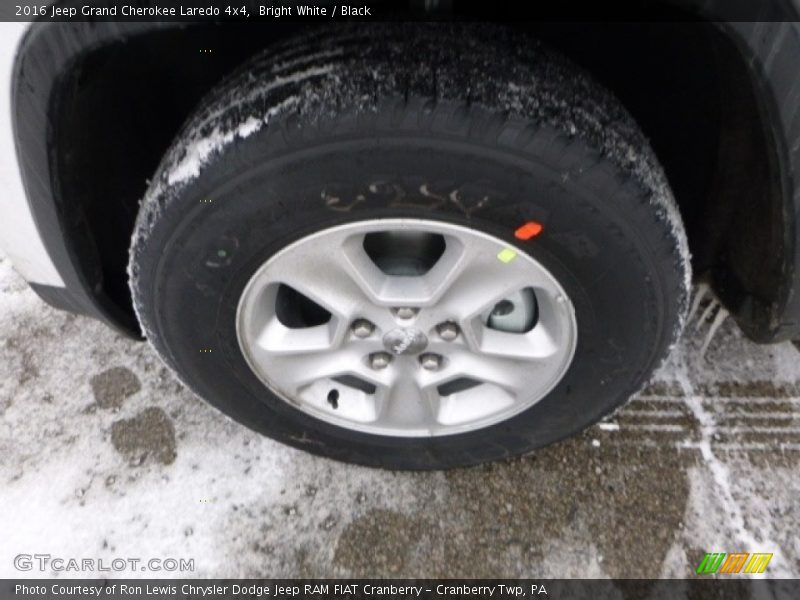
<point x="19" y="237"/>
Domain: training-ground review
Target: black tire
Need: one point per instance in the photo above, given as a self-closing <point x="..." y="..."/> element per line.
<point x="448" y="104"/>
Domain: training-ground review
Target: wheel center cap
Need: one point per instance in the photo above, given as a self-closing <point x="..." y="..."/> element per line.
<point x="405" y="340"/>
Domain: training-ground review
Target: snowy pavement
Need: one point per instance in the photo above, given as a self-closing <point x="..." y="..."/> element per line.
<point x="103" y="454"/>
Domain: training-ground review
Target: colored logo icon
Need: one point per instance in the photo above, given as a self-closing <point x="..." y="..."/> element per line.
<point x="741" y="562"/>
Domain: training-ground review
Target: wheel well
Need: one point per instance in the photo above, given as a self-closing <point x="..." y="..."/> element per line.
<point x="695" y="96"/>
<point x="686" y="84"/>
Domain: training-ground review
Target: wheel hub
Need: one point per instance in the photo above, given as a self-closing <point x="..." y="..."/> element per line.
<point x="405" y="340"/>
<point x="406" y="327"/>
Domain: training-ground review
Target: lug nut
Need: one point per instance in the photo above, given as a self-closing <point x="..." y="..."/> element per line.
<point x="380" y="360"/>
<point x="405" y="312"/>
<point x="430" y="362"/>
<point x="362" y="328"/>
<point x="448" y="331"/>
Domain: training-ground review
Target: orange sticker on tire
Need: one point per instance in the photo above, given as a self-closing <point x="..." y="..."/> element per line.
<point x="529" y="230"/>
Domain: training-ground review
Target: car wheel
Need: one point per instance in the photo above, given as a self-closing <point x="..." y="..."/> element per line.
<point x="411" y="247"/>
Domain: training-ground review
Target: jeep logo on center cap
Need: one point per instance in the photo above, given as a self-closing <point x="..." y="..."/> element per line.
<point x="405" y="340"/>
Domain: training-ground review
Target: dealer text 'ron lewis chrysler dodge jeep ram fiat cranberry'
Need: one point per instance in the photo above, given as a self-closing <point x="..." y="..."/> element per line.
<point x="410" y="245"/>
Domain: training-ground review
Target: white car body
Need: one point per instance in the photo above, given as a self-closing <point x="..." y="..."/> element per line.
<point x="19" y="237"/>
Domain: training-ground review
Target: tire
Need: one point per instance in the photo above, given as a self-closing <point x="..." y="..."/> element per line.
<point x="502" y="130"/>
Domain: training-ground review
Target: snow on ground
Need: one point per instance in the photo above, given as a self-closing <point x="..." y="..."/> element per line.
<point x="105" y="455"/>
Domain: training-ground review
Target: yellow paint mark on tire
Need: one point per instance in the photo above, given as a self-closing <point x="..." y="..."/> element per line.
<point x="506" y="255"/>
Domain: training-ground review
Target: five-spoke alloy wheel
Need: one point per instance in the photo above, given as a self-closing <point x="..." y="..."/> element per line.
<point x="406" y="327"/>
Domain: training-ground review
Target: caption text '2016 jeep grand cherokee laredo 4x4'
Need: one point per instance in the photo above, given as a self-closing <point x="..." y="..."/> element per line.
<point x="412" y="245"/>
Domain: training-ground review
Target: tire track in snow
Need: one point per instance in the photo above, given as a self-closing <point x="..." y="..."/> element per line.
<point x="721" y="472"/>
